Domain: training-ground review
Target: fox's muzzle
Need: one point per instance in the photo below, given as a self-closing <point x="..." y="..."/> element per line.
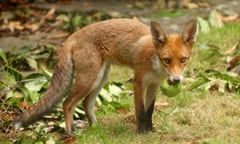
<point x="175" y="79"/>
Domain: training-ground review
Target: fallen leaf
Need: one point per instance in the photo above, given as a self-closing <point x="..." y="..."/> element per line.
<point x="215" y="19"/>
<point x="71" y="140"/>
<point x="139" y="4"/>
<point x="233" y="63"/>
<point x="63" y="18"/>
<point x="15" y="25"/>
<point x="122" y="110"/>
<point x="216" y="85"/>
<point x="230" y="18"/>
<point x="32" y="27"/>
<point x="114" y="14"/>
<point x="60" y="35"/>
<point x="191" y="5"/>
<point x="22" y="105"/>
<point x="50" y="141"/>
<point x="203" y="24"/>
<point x="49" y="15"/>
<point x="233" y="48"/>
<point x="159" y="104"/>
<point x="203" y="4"/>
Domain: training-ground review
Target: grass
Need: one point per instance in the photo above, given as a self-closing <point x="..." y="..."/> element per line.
<point x="194" y="116"/>
<point x="219" y="40"/>
<point x="197" y="116"/>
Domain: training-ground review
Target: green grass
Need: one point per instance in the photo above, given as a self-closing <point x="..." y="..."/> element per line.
<point x="194" y="116"/>
<point x="219" y="40"/>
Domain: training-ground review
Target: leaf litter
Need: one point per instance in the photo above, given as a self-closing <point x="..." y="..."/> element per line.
<point x="210" y="80"/>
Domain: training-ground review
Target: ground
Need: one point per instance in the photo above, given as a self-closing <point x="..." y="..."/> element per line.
<point x="205" y="112"/>
<point x="113" y="7"/>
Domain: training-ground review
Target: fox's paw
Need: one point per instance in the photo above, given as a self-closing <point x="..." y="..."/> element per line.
<point x="141" y="129"/>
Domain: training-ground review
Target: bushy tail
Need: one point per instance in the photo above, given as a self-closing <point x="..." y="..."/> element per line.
<point x="59" y="87"/>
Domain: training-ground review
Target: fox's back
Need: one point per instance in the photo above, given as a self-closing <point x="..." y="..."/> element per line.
<point x="116" y="39"/>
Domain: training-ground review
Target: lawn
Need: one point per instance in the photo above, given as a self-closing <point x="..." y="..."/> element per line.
<point x="205" y="112"/>
<point x="193" y="116"/>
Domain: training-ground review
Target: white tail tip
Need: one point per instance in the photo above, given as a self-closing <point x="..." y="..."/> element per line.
<point x="17" y="124"/>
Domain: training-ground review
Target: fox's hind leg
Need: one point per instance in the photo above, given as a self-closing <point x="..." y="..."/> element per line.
<point x="80" y="90"/>
<point x="87" y="70"/>
<point x="89" y="101"/>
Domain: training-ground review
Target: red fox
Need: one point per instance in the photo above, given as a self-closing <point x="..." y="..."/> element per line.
<point x="151" y="52"/>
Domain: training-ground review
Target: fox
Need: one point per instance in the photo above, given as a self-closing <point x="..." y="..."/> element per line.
<point x="88" y="54"/>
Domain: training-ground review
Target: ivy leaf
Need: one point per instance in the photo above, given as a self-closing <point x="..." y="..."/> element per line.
<point x="105" y="95"/>
<point x="35" y="85"/>
<point x="115" y="90"/>
<point x="3" y="56"/>
<point x="203" y="24"/>
<point x="215" y="19"/>
<point x="32" y="63"/>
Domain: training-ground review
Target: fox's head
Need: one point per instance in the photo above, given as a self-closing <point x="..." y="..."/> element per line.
<point x="174" y="50"/>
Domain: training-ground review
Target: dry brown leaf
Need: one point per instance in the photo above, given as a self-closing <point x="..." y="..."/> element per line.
<point x="192" y="5"/>
<point x="233" y="63"/>
<point x="233" y="48"/>
<point x="32" y="27"/>
<point x="15" y="25"/>
<point x="49" y="15"/>
<point x="22" y="105"/>
<point x="189" y="4"/>
<point x="203" y="4"/>
<point x="71" y="140"/>
<point x="230" y="18"/>
<point x="60" y="35"/>
<point x="161" y="104"/>
<point x="122" y="110"/>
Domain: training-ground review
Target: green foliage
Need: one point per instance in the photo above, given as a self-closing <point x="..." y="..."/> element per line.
<point x="25" y="76"/>
<point x="16" y="84"/>
<point x="215" y="80"/>
<point x="25" y="79"/>
<point x="166" y="13"/>
<point x="74" y="21"/>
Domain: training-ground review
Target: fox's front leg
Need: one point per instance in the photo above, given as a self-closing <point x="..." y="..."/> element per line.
<point x="149" y="104"/>
<point x="139" y="106"/>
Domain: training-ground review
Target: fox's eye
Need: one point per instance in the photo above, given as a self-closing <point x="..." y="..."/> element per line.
<point x="183" y="60"/>
<point x="167" y="60"/>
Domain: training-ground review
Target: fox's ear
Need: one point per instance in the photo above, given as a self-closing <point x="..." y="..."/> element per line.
<point x="189" y="33"/>
<point x="159" y="35"/>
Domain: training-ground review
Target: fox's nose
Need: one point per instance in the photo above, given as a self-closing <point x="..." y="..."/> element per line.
<point x="175" y="80"/>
